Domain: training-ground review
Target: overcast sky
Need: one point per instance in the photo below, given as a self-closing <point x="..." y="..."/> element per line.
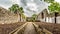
<point x="57" y="1"/>
<point x="30" y="6"/>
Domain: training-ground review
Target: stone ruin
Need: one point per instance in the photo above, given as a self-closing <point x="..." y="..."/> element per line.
<point x="7" y="17"/>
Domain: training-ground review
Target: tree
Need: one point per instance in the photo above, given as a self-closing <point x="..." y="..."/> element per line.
<point x="54" y="7"/>
<point x="21" y="12"/>
<point x="23" y="16"/>
<point x="15" y="8"/>
<point x="49" y="1"/>
<point x="34" y="16"/>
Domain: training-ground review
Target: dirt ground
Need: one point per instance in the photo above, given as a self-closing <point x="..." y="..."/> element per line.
<point x="6" y="28"/>
<point x="54" y="28"/>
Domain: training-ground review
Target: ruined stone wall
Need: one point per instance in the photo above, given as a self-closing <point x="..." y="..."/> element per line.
<point x="57" y="19"/>
<point x="8" y="17"/>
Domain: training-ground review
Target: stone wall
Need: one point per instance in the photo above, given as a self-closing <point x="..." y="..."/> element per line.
<point x="8" y="17"/>
<point x="53" y="20"/>
<point x="58" y="19"/>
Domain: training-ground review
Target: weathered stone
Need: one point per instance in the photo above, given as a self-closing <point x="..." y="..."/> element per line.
<point x="8" y="17"/>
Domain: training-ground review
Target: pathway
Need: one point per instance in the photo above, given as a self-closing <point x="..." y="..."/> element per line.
<point x="30" y="29"/>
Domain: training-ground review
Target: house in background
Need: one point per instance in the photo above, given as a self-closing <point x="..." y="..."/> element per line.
<point x="54" y="19"/>
<point x="45" y="16"/>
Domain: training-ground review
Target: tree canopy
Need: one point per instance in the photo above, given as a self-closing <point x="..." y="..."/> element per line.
<point x="34" y="16"/>
<point x="49" y="1"/>
<point x="54" y="7"/>
<point x="16" y="7"/>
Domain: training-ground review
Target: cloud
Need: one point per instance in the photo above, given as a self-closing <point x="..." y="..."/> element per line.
<point x="33" y="6"/>
<point x="30" y="6"/>
<point x="5" y="3"/>
<point x="57" y="1"/>
<point x="15" y="1"/>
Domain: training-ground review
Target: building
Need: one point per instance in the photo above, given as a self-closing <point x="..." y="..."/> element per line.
<point x="42" y="15"/>
<point x="45" y="16"/>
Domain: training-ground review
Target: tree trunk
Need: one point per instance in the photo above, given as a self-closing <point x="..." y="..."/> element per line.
<point x="20" y="17"/>
<point x="55" y="17"/>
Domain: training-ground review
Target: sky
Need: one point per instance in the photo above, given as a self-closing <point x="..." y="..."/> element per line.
<point x="30" y="6"/>
<point x="57" y="1"/>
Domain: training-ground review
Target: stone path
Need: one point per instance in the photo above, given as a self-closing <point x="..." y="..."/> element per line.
<point x="30" y="29"/>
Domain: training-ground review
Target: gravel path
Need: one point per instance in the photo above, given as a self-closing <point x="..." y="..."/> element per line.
<point x="30" y="29"/>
